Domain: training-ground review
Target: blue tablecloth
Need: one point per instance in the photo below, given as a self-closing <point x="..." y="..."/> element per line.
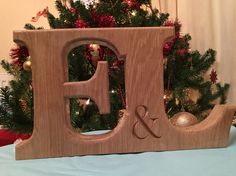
<point x="207" y="162"/>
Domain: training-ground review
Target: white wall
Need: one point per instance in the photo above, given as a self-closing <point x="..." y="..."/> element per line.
<point x="211" y="24"/>
<point x="13" y="16"/>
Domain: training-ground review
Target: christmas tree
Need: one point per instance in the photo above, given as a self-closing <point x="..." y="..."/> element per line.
<point x="184" y="69"/>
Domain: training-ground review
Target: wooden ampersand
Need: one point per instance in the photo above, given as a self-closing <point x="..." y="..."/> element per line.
<point x="144" y="125"/>
<point x="146" y="122"/>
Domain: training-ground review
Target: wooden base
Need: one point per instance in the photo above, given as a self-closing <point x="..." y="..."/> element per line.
<point x="144" y="125"/>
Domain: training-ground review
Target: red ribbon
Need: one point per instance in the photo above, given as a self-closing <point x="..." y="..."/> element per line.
<point x="39" y="14"/>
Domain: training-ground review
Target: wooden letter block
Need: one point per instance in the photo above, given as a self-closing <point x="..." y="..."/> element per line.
<point x="144" y="125"/>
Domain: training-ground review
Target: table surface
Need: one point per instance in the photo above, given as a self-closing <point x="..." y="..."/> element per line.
<point x="207" y="162"/>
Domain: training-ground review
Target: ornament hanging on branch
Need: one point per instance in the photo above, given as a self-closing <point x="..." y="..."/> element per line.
<point x="95" y="53"/>
<point x="183" y="119"/>
<point x="94" y="49"/>
<point x="27" y="64"/>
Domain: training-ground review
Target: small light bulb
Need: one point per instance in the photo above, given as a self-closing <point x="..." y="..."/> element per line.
<point x="133" y="13"/>
<point x="112" y="91"/>
<point x="88" y="102"/>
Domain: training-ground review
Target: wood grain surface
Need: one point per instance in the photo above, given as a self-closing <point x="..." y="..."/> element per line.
<point x="144" y="125"/>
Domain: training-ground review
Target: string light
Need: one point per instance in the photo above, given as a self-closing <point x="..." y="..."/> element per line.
<point x="133" y="13"/>
<point x="164" y="97"/>
<point x="87" y="102"/>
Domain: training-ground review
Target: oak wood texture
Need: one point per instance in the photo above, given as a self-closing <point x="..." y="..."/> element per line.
<point x="144" y="125"/>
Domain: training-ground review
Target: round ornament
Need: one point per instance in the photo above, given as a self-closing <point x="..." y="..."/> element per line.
<point x="27" y="65"/>
<point x="94" y="50"/>
<point x="183" y="119"/>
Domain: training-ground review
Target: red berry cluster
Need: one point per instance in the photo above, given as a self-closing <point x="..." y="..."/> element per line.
<point x="81" y="24"/>
<point x="182" y="44"/>
<point x="17" y="54"/>
<point x="106" y="21"/>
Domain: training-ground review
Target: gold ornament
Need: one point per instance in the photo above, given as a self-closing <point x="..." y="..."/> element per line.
<point x="94" y="50"/>
<point x="183" y="119"/>
<point x="27" y="65"/>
